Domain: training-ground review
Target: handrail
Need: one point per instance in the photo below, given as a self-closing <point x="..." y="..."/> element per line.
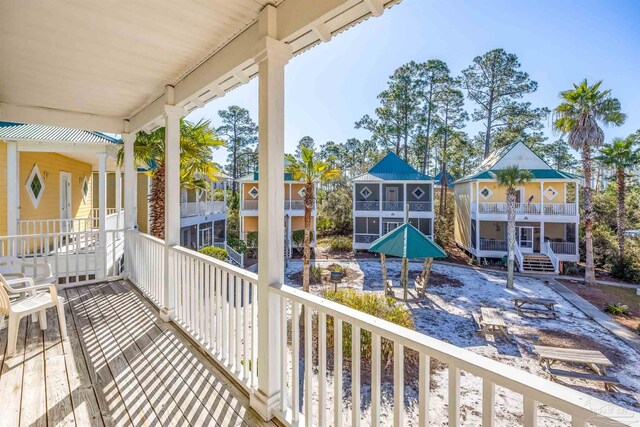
<point x="580" y="406"/>
<point x="519" y="257"/>
<point x="548" y="250"/>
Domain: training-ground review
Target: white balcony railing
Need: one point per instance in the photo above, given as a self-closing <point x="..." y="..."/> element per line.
<point x="252" y="205"/>
<point x="365" y="237"/>
<point x="420" y="206"/>
<point x="500" y="208"/>
<point x="216" y="304"/>
<point x="189" y="209"/>
<point x="367" y="206"/>
<point x="493" y="245"/>
<point x="564" y="248"/>
<point x="392" y="206"/>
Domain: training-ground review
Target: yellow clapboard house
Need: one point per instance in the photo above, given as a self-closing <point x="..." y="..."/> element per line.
<point x="547" y="214"/>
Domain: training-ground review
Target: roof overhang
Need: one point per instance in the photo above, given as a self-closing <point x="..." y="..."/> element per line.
<point x="113" y="66"/>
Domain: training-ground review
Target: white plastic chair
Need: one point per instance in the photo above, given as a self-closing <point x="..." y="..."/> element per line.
<point x="11" y="266"/>
<point x="33" y="299"/>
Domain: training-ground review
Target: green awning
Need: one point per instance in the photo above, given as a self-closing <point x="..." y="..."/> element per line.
<point x="407" y="241"/>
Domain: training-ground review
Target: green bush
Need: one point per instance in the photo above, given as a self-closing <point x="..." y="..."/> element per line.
<point x="315" y="274"/>
<point x="628" y="267"/>
<point x="239" y="245"/>
<point x="340" y="243"/>
<point x="336" y="268"/>
<point x="380" y="306"/>
<point x="214" y="252"/>
<point x="252" y="239"/>
<point x="617" y="309"/>
<point x="298" y="237"/>
<point x="324" y="226"/>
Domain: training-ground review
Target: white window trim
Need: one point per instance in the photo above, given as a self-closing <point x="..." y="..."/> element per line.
<point x="482" y="195"/>
<point x="35" y="200"/>
<point x="251" y="191"/>
<point x="85" y="181"/>
<point x="546" y="193"/>
<point x="418" y="189"/>
<point x="362" y="192"/>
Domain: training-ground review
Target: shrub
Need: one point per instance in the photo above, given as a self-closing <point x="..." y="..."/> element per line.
<point x="252" y="239"/>
<point x="336" y="268"/>
<point x="628" y="267"/>
<point x="617" y="309"/>
<point x="214" y="252"/>
<point x="380" y="306"/>
<point x="340" y="243"/>
<point x="324" y="226"/>
<point x="638" y="329"/>
<point x="239" y="245"/>
<point x="298" y="237"/>
<point x="315" y="274"/>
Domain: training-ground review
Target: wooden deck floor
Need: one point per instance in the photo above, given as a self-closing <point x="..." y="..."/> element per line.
<point x="121" y="365"/>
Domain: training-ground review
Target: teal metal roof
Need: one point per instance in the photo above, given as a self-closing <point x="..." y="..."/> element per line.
<point x="484" y="170"/>
<point x="10" y="130"/>
<point x="287" y="176"/>
<point x="407" y="241"/>
<point x="393" y="168"/>
<point x="450" y="179"/>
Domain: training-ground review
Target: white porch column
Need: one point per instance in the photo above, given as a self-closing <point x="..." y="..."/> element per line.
<point x="272" y="55"/>
<point x="118" y="184"/>
<point x="130" y="181"/>
<point x="172" y="116"/>
<point x="541" y="235"/>
<point x="102" y="210"/>
<point x="13" y="188"/>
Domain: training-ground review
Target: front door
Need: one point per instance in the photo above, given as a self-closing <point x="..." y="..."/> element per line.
<point x="390" y="226"/>
<point x="525" y="239"/>
<point x="65" y="200"/>
<point x="392" y="197"/>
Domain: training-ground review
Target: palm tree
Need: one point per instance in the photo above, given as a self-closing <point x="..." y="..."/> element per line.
<point x="196" y="142"/>
<point x="512" y="177"/>
<point x="309" y="170"/>
<point x="577" y="116"/>
<point x="621" y="155"/>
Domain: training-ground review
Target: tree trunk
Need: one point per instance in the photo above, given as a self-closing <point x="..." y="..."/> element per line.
<point x="487" y="135"/>
<point x="156" y="199"/>
<point x="405" y="276"/>
<point x="426" y="144"/>
<point x="590" y="272"/>
<point x="306" y="255"/>
<point x="511" y="234"/>
<point x="426" y="270"/>
<point x="620" y="220"/>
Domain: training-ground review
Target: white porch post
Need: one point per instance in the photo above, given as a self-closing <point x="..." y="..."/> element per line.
<point x="272" y="55"/>
<point x="130" y="182"/>
<point x="541" y="235"/>
<point x="172" y="116"/>
<point x="13" y="188"/>
<point x="102" y="210"/>
<point x="118" y="184"/>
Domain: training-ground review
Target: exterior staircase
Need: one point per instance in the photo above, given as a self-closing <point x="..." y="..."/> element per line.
<point x="536" y="263"/>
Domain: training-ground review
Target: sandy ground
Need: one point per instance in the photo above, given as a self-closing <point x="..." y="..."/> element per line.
<point x="445" y="314"/>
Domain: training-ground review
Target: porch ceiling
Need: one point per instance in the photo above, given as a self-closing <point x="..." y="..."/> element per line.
<point x="93" y="65"/>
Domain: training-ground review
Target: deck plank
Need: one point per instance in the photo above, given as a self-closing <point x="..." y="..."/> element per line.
<point x="59" y="406"/>
<point x="110" y="401"/>
<point x="84" y="398"/>
<point x="145" y="335"/>
<point x="131" y="390"/>
<point x="11" y="380"/>
<point x="151" y="375"/>
<point x="33" y="411"/>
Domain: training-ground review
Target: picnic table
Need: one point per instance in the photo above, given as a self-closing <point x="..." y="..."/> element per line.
<point x="528" y="304"/>
<point x="593" y="359"/>
<point x="490" y="322"/>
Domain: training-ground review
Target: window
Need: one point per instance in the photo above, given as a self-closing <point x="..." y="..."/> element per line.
<point x="550" y="193"/>
<point x="486" y="193"/>
<point x="418" y="193"/>
<point x="253" y="192"/>
<point x="365" y="192"/>
<point x="302" y="192"/>
<point x="85" y="189"/>
<point x="35" y="186"/>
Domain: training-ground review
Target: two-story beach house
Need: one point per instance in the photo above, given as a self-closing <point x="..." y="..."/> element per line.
<point x="547" y="212"/>
<point x="293" y="212"/>
<point x="385" y="196"/>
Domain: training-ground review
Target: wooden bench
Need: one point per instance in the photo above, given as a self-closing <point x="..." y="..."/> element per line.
<point x="593" y="359"/>
<point x="489" y="321"/>
<point x="421" y="286"/>
<point x="526" y="304"/>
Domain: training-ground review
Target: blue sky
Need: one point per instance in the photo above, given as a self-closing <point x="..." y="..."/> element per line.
<point x="557" y="42"/>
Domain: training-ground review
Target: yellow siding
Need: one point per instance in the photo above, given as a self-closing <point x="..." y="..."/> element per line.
<point x="3" y="189"/>
<point x="50" y="166"/>
<point x="250" y="224"/>
<point x="489" y="230"/>
<point x="530" y="189"/>
<point x="554" y="230"/>
<point x="143" y="202"/>
<point x="297" y="223"/>
<point x="462" y="218"/>
<point x="295" y="188"/>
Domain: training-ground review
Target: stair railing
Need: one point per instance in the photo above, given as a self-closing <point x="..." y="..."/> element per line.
<point x="519" y="258"/>
<point x="548" y="251"/>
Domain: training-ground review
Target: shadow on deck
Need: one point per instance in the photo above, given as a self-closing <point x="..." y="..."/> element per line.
<point x="121" y="365"/>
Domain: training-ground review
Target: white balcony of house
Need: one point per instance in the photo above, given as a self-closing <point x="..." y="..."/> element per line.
<point x="547" y="209"/>
<point x="289" y="205"/>
<point x="393" y="199"/>
<point x="190" y="209"/>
